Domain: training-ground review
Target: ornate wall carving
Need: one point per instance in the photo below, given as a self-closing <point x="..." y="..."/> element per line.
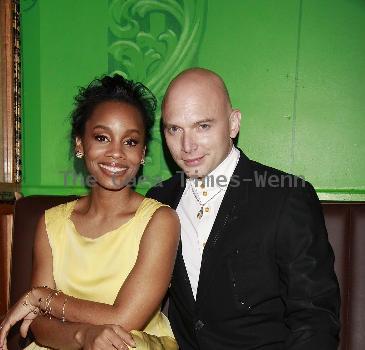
<point x="152" y="41"/>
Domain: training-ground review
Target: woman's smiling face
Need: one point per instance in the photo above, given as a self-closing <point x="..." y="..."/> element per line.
<point x="113" y="144"/>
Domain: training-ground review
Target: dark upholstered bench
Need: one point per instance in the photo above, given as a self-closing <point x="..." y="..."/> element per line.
<point x="346" y="229"/>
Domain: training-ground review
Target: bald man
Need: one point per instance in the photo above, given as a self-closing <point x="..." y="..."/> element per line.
<point x="254" y="269"/>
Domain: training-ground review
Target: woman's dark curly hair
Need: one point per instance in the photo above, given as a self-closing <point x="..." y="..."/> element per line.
<point x="115" y="88"/>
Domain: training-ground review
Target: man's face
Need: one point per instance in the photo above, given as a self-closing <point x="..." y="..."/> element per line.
<point x="198" y="128"/>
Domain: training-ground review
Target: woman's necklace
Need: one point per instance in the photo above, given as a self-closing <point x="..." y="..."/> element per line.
<point x="200" y="213"/>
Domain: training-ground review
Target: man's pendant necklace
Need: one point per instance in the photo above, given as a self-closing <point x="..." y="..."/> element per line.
<point x="200" y="213"/>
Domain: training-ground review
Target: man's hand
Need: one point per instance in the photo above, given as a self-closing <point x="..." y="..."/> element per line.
<point x="104" y="337"/>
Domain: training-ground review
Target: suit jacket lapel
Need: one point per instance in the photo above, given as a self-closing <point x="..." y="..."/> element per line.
<point x="235" y="198"/>
<point x="175" y="190"/>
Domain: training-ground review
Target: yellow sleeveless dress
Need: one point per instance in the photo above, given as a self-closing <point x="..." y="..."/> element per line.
<point x="95" y="269"/>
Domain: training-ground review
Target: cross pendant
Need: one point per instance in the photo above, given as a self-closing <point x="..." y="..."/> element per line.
<point x="200" y="213"/>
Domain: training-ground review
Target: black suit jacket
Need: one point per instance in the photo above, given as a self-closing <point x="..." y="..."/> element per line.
<point x="267" y="279"/>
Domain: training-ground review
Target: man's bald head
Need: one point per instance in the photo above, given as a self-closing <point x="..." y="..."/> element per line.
<point x="199" y="122"/>
<point x="194" y="80"/>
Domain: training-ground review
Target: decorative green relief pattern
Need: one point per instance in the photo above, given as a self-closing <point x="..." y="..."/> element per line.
<point x="26" y="5"/>
<point x="152" y="41"/>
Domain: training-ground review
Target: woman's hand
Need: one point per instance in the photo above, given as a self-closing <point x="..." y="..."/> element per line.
<point x="22" y="310"/>
<point x="104" y="338"/>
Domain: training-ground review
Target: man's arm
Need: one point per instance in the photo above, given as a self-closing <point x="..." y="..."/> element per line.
<point x="308" y="282"/>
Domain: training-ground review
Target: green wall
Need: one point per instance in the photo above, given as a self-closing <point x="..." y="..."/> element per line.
<point x="295" y="68"/>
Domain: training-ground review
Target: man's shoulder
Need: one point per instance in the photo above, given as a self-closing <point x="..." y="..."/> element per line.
<point x="273" y="188"/>
<point x="273" y="183"/>
<point x="266" y="176"/>
<point x="259" y="168"/>
<point x="263" y="168"/>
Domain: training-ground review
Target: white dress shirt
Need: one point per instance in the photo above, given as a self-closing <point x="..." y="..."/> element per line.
<point x="194" y="230"/>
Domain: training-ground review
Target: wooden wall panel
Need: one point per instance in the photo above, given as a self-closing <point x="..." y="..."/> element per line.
<point x="6" y="229"/>
<point x="6" y="90"/>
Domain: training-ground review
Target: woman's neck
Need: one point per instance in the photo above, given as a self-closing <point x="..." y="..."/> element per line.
<point x="109" y="203"/>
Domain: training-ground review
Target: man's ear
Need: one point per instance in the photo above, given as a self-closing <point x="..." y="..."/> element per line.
<point x="234" y="123"/>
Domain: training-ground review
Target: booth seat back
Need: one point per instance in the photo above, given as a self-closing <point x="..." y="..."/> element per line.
<point x="346" y="229"/>
<point x="28" y="211"/>
<point x="345" y="224"/>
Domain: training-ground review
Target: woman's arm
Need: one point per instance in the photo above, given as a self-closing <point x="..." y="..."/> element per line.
<point x="66" y="335"/>
<point x="143" y="290"/>
<point x="56" y="334"/>
<point x="73" y="336"/>
<point x="51" y="332"/>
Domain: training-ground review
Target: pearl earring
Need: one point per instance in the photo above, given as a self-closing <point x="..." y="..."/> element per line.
<point x="79" y="154"/>
<point x="142" y="161"/>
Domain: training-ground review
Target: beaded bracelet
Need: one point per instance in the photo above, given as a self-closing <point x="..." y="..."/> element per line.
<point x="63" y="319"/>
<point x="49" y="307"/>
<point x="46" y="310"/>
<point x="26" y="303"/>
<point x="43" y="311"/>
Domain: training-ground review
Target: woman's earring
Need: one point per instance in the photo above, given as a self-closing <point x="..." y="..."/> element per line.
<point x="142" y="161"/>
<point x="79" y="154"/>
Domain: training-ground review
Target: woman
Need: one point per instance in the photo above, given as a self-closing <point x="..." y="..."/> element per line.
<point x="106" y="258"/>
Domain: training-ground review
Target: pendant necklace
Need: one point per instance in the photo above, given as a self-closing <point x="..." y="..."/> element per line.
<point x="200" y="213"/>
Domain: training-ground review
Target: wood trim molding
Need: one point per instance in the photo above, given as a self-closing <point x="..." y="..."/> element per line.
<point x="7" y="88"/>
<point x="10" y="92"/>
<point x="6" y="229"/>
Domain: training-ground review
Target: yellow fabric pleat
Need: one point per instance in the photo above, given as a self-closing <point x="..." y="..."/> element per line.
<point x="145" y="341"/>
<point x="95" y="269"/>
